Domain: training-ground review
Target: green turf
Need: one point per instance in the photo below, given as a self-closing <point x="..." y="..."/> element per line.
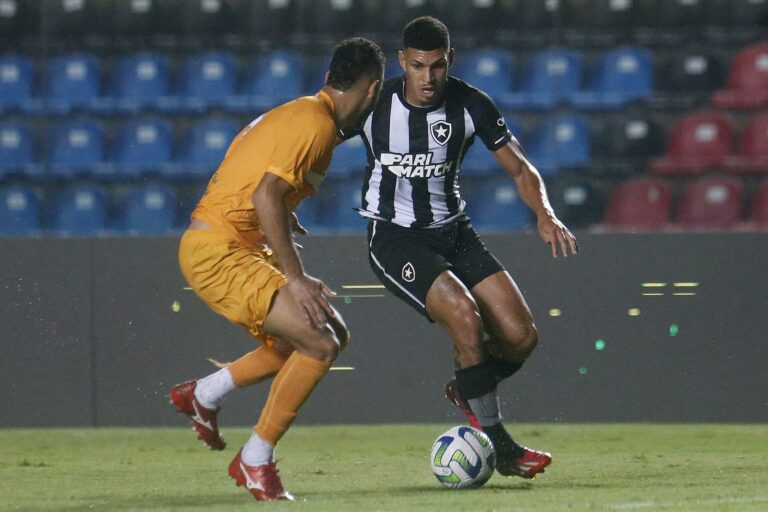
<point x="386" y="467"/>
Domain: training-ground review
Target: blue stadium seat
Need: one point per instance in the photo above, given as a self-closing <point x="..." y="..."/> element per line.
<point x="202" y="149"/>
<point x="148" y="210"/>
<point x="74" y="81"/>
<point x="77" y="147"/>
<point x="479" y="161"/>
<point x="207" y="79"/>
<point x="494" y="205"/>
<point x="143" y="80"/>
<point x="18" y="150"/>
<point x="549" y="77"/>
<point x="488" y="70"/>
<point x="80" y="210"/>
<point x="338" y="199"/>
<point x="19" y="211"/>
<point x="143" y="146"/>
<point x="16" y="82"/>
<point x="560" y="142"/>
<point x="349" y="159"/>
<point x="623" y="75"/>
<point x="271" y="79"/>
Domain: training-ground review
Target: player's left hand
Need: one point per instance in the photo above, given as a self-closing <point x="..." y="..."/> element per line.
<point x="554" y="232"/>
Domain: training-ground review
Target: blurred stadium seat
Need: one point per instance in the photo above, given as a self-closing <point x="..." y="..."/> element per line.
<point x="16" y="82"/>
<point x="623" y="75"/>
<point x="203" y="148"/>
<point x="758" y="211"/>
<point x="597" y="22"/>
<point x="81" y="209"/>
<point x="489" y="70"/>
<point x="560" y="142"/>
<point x="338" y="199"/>
<point x="642" y="203"/>
<point x="710" y="202"/>
<point x="19" y="211"/>
<point x="549" y="77"/>
<point x="271" y="79"/>
<point x="272" y="19"/>
<point x="339" y="18"/>
<point x="142" y="146"/>
<point x="349" y="159"/>
<point x="668" y="22"/>
<point x="578" y="200"/>
<point x="494" y="205"/>
<point x="142" y="80"/>
<point x="74" y="81"/>
<point x="698" y="142"/>
<point x="19" y="22"/>
<point x="207" y="80"/>
<point x="148" y="210"/>
<point x="752" y="156"/>
<point x="77" y="147"/>
<point x="747" y="80"/>
<point x="686" y="79"/>
<point x="18" y="151"/>
<point x="210" y="19"/>
<point x="626" y="143"/>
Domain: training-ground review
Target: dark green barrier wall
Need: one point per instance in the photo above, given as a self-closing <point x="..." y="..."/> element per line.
<point x="89" y="335"/>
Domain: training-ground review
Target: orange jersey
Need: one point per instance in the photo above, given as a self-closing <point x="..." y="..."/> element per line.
<point x="294" y="141"/>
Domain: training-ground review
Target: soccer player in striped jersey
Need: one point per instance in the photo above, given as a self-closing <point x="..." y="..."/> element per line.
<point x="421" y="243"/>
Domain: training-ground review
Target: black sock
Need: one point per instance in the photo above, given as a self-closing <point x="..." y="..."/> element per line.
<point x="502" y="441"/>
<point x="504" y="369"/>
<point x="476" y="381"/>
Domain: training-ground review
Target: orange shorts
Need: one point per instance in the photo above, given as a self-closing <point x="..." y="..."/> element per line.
<point x="236" y="281"/>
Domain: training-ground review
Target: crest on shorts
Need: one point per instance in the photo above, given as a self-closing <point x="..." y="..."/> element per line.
<point x="409" y="273"/>
<point x="441" y="131"/>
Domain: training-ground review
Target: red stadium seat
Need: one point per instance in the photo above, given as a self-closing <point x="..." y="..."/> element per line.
<point x="752" y="157"/>
<point x="711" y="202"/>
<point x="747" y="80"/>
<point x="698" y="143"/>
<point x="758" y="212"/>
<point x="642" y="203"/>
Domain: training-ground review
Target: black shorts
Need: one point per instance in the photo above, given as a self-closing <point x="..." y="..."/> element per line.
<point x="408" y="260"/>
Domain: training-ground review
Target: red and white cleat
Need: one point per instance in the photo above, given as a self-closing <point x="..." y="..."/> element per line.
<point x="529" y="465"/>
<point x="263" y="482"/>
<point x="203" y="419"/>
<point x="453" y="396"/>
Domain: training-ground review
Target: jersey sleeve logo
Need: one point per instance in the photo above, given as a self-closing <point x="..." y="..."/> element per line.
<point x="440" y="131"/>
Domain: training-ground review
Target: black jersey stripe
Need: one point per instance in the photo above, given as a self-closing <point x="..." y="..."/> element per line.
<point x="454" y="114"/>
<point x="419" y="143"/>
<point x="380" y="127"/>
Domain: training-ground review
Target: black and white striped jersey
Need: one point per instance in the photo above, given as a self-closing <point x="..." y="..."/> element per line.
<point x="415" y="153"/>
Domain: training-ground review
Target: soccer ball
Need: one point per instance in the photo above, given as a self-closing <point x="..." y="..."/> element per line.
<point x="463" y="457"/>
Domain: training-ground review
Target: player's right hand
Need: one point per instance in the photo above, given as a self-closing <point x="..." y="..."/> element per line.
<point x="311" y="296"/>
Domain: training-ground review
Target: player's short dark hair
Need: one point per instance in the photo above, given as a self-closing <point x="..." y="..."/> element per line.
<point x="426" y="33"/>
<point x="352" y="59"/>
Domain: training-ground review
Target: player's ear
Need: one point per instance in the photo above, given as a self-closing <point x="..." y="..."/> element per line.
<point x="451" y="56"/>
<point x="401" y="58"/>
<point x="373" y="88"/>
<point x="327" y="75"/>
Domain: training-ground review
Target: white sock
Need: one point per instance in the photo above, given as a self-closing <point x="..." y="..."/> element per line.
<point x="257" y="451"/>
<point x="486" y="408"/>
<point x="211" y="389"/>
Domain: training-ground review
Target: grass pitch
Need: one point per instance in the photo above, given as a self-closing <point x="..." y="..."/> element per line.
<point x="386" y="467"/>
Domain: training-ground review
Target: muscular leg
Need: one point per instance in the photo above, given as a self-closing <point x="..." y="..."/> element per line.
<point x="506" y="318"/>
<point x="450" y="304"/>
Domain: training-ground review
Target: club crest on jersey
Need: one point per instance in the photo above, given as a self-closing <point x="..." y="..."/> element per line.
<point x="441" y="131"/>
<point x="409" y="273"/>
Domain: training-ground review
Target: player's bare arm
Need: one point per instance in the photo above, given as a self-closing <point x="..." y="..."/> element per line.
<point x="531" y="188"/>
<point x="276" y="223"/>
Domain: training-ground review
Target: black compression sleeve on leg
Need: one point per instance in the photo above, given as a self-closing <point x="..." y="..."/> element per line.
<point x="504" y="369"/>
<point x="476" y="381"/>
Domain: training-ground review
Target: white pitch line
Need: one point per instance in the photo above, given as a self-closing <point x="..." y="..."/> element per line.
<point x="687" y="504"/>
